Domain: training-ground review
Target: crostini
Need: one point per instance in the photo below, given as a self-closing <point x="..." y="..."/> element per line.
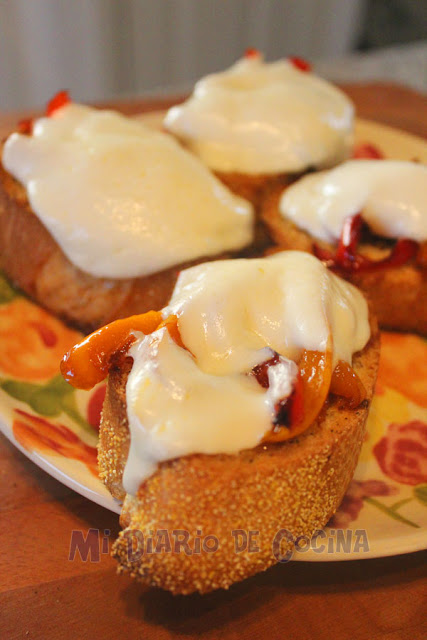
<point x="367" y="220"/>
<point x="98" y="213"/>
<point x="240" y="406"/>
<point x="260" y="122"/>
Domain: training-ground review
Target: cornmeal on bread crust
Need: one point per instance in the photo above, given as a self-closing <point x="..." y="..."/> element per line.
<point x="397" y="295"/>
<point x="216" y="422"/>
<point x="296" y="485"/>
<point x="34" y="262"/>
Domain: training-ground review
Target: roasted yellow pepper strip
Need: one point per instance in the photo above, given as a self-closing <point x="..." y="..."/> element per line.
<point x="345" y="382"/>
<point x="315" y="373"/>
<point x="88" y="362"/>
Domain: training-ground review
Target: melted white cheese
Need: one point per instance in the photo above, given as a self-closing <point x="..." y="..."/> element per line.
<point x="259" y="118"/>
<point x="233" y="315"/>
<point x="391" y="195"/>
<point x="120" y="199"/>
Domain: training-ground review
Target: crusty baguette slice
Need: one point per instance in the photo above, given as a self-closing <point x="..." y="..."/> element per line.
<point x="397" y="295"/>
<point x="296" y="485"/>
<point x="252" y="188"/>
<point x="35" y="263"/>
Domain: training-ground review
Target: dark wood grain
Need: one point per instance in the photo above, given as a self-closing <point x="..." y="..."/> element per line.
<point x="43" y="595"/>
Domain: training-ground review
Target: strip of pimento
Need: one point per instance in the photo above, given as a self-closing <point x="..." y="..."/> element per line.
<point x="296" y="61"/>
<point x="89" y="362"/>
<point x="347" y="260"/>
<point x="59" y="100"/>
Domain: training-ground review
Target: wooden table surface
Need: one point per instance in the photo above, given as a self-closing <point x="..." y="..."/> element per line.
<point x="44" y="595"/>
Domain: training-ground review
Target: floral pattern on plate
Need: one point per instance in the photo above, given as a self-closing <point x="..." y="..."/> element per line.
<point x="42" y="414"/>
<point x="57" y="426"/>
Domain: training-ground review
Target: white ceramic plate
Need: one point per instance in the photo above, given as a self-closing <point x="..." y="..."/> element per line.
<point x="384" y="512"/>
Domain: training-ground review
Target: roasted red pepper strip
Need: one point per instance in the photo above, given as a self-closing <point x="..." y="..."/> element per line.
<point x="300" y="63"/>
<point x="350" y="236"/>
<point x="59" y="100"/>
<point x="289" y="414"/>
<point x="364" y="150"/>
<point x="25" y="126"/>
<point x="347" y="260"/>
<point x="252" y="53"/>
<point x="261" y="370"/>
<point x="289" y="411"/>
<point x="296" y="411"/>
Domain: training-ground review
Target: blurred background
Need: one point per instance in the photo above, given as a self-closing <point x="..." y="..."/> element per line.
<point x="103" y="49"/>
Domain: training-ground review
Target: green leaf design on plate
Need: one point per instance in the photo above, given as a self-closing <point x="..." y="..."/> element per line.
<point x="22" y="391"/>
<point x="420" y="493"/>
<point x="392" y="511"/>
<point x="69" y="406"/>
<point x="48" y="400"/>
<point x="59" y="386"/>
<point x="7" y="292"/>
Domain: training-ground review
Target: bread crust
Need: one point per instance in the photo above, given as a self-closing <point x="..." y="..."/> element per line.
<point x="34" y="262"/>
<point x="295" y="486"/>
<point x="397" y="295"/>
<point x="252" y="188"/>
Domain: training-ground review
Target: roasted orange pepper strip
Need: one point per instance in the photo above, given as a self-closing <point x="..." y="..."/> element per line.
<point x="345" y="382"/>
<point x="315" y="378"/>
<point x="59" y="100"/>
<point x="88" y="362"/>
<point x="172" y="326"/>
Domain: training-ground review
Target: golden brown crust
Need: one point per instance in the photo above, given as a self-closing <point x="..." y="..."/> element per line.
<point x="296" y="485"/>
<point x="114" y="440"/>
<point x="397" y="295"/>
<point x="253" y="188"/>
<point x="34" y="262"/>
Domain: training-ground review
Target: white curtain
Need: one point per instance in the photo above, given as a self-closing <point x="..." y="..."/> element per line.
<point x="100" y="49"/>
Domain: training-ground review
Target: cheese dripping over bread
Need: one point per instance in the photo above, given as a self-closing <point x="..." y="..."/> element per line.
<point x="232" y="317"/>
<point x="391" y="196"/>
<point x="120" y="199"/>
<point x="264" y="118"/>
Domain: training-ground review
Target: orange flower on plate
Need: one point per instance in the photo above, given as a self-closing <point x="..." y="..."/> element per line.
<point x="403" y="366"/>
<point x="32" y="342"/>
<point x="38" y="434"/>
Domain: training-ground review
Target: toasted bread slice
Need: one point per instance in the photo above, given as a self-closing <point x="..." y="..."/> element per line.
<point x="295" y="486"/>
<point x="397" y="295"/>
<point x="35" y="263"/>
<point x="253" y="188"/>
